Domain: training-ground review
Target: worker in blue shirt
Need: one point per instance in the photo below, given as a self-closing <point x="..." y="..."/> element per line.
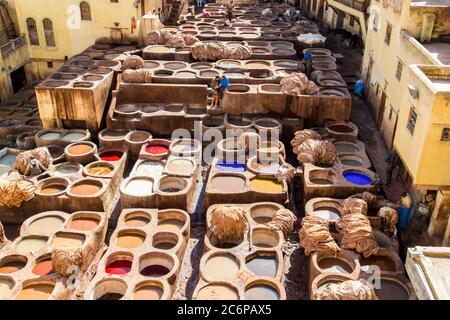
<point x="224" y="84"/>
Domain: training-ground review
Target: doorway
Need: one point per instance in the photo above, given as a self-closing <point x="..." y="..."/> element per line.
<point x="381" y="110"/>
<point x="143" y="10"/>
<point x="18" y="79"/>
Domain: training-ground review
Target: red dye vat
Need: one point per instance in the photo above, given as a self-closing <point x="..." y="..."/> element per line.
<point x="118" y="267"/>
<point x="155" y="271"/>
<point x="157" y="149"/>
<point x="111" y="156"/>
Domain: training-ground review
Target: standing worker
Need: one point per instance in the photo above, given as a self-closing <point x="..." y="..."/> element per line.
<point x="224" y="84"/>
<point x="308" y="64"/>
<point x="230" y="9"/>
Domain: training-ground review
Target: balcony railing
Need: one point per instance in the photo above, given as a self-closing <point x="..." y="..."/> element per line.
<point x="12" y="45"/>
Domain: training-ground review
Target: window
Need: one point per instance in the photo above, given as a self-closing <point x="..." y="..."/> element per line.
<point x="50" y="64"/>
<point x="352" y="21"/>
<point x="412" y="120"/>
<point x="391" y="113"/>
<point x="445" y="135"/>
<point x="387" y="38"/>
<point x="114" y="1"/>
<point x="32" y="32"/>
<point x="48" y="31"/>
<point x="85" y="10"/>
<point x="398" y="74"/>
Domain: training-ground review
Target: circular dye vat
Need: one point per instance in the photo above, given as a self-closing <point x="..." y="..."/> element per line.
<point x="85" y="189"/>
<point x="327" y="213"/>
<point x="256" y="65"/>
<point x="111" y="156"/>
<point x="29" y="245"/>
<point x="334" y="265"/>
<point x="99" y="170"/>
<point x="158" y="49"/>
<point x="111" y="296"/>
<point x="165" y="241"/>
<point x="68" y="241"/>
<point x="263" y="266"/>
<point x="51" y="136"/>
<point x="261" y="292"/>
<point x="270" y="168"/>
<point x="118" y="267"/>
<point x="392" y="290"/>
<point x="357" y="178"/>
<point x="263" y="214"/>
<point x="346" y="147"/>
<point x="154" y="270"/>
<point x="45" y="225"/>
<point x="150" y="168"/>
<point x="266" y="185"/>
<point x="114" y="134"/>
<point x="43" y="267"/>
<point x="66" y="170"/>
<point x="74" y="136"/>
<point x="53" y="189"/>
<point x="84" y="224"/>
<point x="12" y="266"/>
<point x="41" y="291"/>
<point x="171" y="225"/>
<point x="137" y="221"/>
<point x="230" y="184"/>
<point x="180" y="166"/>
<point x="157" y="149"/>
<point x="139" y="187"/>
<point x="221" y="267"/>
<point x="385" y="263"/>
<point x="130" y="240"/>
<point x="148" y="292"/>
<point x="217" y="292"/>
<point x="80" y="149"/>
<point x="231" y="166"/>
<point x="5" y="288"/>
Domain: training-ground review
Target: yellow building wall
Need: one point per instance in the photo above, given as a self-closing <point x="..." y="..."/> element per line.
<point x="73" y="40"/>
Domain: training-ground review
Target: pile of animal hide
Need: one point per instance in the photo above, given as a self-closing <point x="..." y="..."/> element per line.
<point x="228" y="224"/>
<point x="357" y="234"/>
<point x="283" y="220"/>
<point x="353" y="205"/>
<point x="133" y="62"/>
<point x="315" y="236"/>
<point x="14" y="192"/>
<point x="346" y="290"/>
<point x="285" y="172"/>
<point x="3" y="240"/>
<point x="33" y="162"/>
<point x="137" y="76"/>
<point x="301" y="136"/>
<point x="212" y="51"/>
<point x="317" y="152"/>
<point x="173" y="40"/>
<point x="65" y="260"/>
<point x="389" y="217"/>
<point x="298" y="84"/>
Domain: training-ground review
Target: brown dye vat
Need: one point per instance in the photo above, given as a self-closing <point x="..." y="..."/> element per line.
<point x="346" y="147"/>
<point x="67" y="241"/>
<point x="201" y="66"/>
<point x="261" y="292"/>
<point x="148" y="292"/>
<point x="137" y="221"/>
<point x="154" y="270"/>
<point x="84" y="224"/>
<point x="385" y="263"/>
<point x="171" y="225"/>
<point x="159" y="49"/>
<point x="185" y="74"/>
<point x="12" y="266"/>
<point x="334" y="265"/>
<point x="111" y="296"/>
<point x="113" y="134"/>
<point x="45" y="225"/>
<point x="36" y="292"/>
<point x="165" y="241"/>
<point x="174" y="65"/>
<point x="256" y="65"/>
<point x="208" y="73"/>
<point x="392" y="290"/>
<point x="230" y="184"/>
<point x="321" y="181"/>
<point x="81" y="84"/>
<point x="85" y="189"/>
<point x="221" y="267"/>
<point x="130" y="240"/>
<point x="43" y="267"/>
<point x="80" y="149"/>
<point x="53" y="189"/>
<point x="217" y="292"/>
<point x="340" y="128"/>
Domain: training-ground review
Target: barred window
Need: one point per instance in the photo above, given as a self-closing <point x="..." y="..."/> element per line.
<point x="32" y="32"/>
<point x="398" y="74"/>
<point x="49" y="34"/>
<point x="387" y="38"/>
<point x="85" y="10"/>
<point x="445" y="135"/>
<point x="412" y="120"/>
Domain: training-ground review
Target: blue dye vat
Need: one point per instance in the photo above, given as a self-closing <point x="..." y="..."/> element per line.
<point x="357" y="178"/>
<point x="231" y="166"/>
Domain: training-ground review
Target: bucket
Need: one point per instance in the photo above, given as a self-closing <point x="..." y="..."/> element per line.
<point x="403" y="217"/>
